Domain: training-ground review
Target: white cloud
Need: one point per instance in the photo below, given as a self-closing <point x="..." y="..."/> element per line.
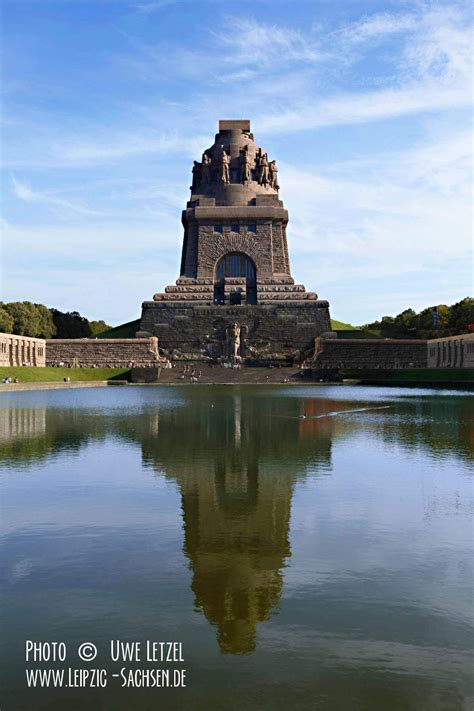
<point x="433" y="73"/>
<point x="441" y="46"/>
<point x="360" y="107"/>
<point x="389" y="226"/>
<point x="374" y="27"/>
<point x="155" y="5"/>
<point x="248" y="42"/>
<point x="84" y="152"/>
<point x="23" y="192"/>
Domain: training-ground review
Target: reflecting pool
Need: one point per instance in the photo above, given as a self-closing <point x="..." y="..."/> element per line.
<point x="309" y="547"/>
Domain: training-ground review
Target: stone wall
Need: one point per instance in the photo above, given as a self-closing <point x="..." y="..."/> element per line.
<point x="213" y="246"/>
<point x="451" y="352"/>
<point x="336" y="353"/>
<point x="102" y="352"/>
<point x="22" y="350"/>
<point x="268" y="333"/>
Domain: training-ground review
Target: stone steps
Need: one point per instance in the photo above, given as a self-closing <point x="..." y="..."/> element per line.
<point x="218" y="374"/>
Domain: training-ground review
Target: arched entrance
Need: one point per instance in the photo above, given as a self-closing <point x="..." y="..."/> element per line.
<point x="235" y="264"/>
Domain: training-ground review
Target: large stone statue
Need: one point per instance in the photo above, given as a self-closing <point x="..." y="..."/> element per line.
<point x="233" y="341"/>
<point x="197" y="176"/>
<point x="273" y="175"/>
<point x="224" y="167"/>
<point x="263" y="169"/>
<point x="206" y="169"/>
<point x="245" y="171"/>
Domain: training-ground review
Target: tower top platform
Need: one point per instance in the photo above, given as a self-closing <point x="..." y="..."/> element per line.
<point x="234" y="125"/>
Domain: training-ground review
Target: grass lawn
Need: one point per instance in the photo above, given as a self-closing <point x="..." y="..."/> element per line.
<point x="27" y="374"/>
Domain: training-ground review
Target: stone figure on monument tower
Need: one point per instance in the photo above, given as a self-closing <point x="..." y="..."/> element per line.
<point x="263" y="169"/>
<point x="197" y="176"/>
<point x="206" y="169"/>
<point x="273" y="175"/>
<point x="246" y="172"/>
<point x="224" y="167"/>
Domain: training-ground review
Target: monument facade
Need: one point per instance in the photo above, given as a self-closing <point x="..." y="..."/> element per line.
<point x="235" y="296"/>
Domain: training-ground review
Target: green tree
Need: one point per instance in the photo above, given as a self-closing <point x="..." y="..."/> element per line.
<point x="26" y="318"/>
<point x="405" y="324"/>
<point x="449" y="321"/>
<point x="98" y="327"/>
<point x="70" y="324"/>
<point x="47" y="329"/>
<point x="6" y="320"/>
<point x="461" y="315"/>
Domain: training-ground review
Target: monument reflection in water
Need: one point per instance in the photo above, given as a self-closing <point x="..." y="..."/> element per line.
<point x="235" y="460"/>
<point x="323" y="529"/>
<point x="236" y="507"/>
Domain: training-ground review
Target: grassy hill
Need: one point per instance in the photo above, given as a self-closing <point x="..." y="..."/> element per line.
<point x="125" y="330"/>
<point x="341" y="326"/>
<point x="346" y="330"/>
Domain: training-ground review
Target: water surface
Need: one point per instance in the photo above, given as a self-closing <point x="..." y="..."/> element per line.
<point x="311" y="547"/>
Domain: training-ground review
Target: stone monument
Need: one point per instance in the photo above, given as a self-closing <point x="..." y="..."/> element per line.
<point x="235" y="267"/>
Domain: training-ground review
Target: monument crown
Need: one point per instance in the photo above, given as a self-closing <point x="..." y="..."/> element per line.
<point x="234" y="170"/>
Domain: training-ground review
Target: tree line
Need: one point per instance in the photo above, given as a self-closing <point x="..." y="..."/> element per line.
<point x="433" y="322"/>
<point x="24" y="318"/>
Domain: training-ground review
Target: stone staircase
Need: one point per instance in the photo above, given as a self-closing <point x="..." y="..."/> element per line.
<point x="207" y="374"/>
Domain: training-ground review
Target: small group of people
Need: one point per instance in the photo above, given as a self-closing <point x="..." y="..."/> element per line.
<point x="8" y="381"/>
<point x="190" y="371"/>
<point x="230" y="364"/>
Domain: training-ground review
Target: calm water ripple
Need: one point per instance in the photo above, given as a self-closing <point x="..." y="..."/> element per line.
<point x="311" y="547"/>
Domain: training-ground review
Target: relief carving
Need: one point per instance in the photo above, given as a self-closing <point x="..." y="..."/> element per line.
<point x="216" y="169"/>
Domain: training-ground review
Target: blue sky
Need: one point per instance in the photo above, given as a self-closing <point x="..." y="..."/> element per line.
<point x="364" y="104"/>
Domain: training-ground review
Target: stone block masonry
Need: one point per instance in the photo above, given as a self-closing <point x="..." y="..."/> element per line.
<point x="339" y="353"/>
<point x="103" y="353"/>
<point x="451" y="352"/>
<point x="22" y="350"/>
<point x="278" y="333"/>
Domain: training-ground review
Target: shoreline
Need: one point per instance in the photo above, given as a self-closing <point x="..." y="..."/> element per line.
<point x="29" y="387"/>
<point x="54" y="385"/>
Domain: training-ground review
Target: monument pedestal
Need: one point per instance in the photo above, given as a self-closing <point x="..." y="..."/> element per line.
<point x="269" y="333"/>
